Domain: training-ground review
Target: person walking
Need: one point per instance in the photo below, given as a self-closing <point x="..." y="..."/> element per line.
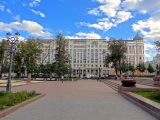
<point x="126" y="75"/>
<point x="62" y="78"/>
<point x="97" y="78"/>
<point x="132" y="74"/>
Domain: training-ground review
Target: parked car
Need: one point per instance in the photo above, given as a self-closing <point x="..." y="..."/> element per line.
<point x="94" y="77"/>
<point x="46" y="75"/>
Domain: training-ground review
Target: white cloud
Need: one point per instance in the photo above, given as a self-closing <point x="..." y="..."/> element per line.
<point x="38" y="13"/>
<point x="141" y="5"/>
<point x="109" y="7"/>
<point x="9" y="11"/>
<point x="149" y="28"/>
<point x="114" y="15"/>
<point x="21" y="38"/>
<point x="32" y="27"/>
<point x="148" y="46"/>
<point x="17" y="18"/>
<point x="149" y="49"/>
<point x="123" y="16"/>
<point x="107" y="38"/>
<point x="94" y="11"/>
<point x="34" y="3"/>
<point x="82" y="35"/>
<point x="103" y="24"/>
<point x="147" y="55"/>
<point x="1" y="7"/>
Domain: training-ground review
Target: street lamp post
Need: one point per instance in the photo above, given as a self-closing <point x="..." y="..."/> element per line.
<point x="69" y="59"/>
<point x="21" y="71"/>
<point x="79" y="71"/>
<point x="128" y="62"/>
<point x="99" y="71"/>
<point x="12" y="41"/>
<point x="68" y="74"/>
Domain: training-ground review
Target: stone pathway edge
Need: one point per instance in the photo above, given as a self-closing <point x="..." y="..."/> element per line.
<point x="143" y="103"/>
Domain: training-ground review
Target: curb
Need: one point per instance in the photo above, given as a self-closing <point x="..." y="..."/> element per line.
<point x="147" y="105"/>
<point x="20" y="105"/>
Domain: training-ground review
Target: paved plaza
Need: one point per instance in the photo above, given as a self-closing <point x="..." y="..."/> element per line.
<point x="81" y="100"/>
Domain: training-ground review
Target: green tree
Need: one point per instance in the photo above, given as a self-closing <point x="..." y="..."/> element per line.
<point x="4" y="45"/>
<point x="123" y="67"/>
<point x="60" y="53"/>
<point x="28" y="54"/>
<point x="131" y="68"/>
<point x="46" y="68"/>
<point x="141" y="67"/>
<point x="150" y="68"/>
<point x="117" y="49"/>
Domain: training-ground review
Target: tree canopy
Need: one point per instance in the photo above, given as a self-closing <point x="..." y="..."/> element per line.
<point x="28" y="53"/>
<point x="141" y="67"/>
<point x="60" y="53"/>
<point x="150" y="68"/>
<point x="4" y="45"/>
<point x="117" y="49"/>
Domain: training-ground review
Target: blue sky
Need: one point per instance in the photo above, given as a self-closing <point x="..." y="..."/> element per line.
<point x="83" y="19"/>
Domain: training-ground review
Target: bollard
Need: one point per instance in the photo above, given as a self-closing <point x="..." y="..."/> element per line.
<point x="72" y="80"/>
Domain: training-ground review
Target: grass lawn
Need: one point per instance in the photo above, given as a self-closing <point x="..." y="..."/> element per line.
<point x="147" y="95"/>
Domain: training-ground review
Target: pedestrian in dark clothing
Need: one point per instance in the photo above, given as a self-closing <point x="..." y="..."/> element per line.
<point x="97" y="78"/>
<point x="133" y="74"/>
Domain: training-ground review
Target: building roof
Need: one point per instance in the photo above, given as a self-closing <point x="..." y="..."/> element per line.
<point x="137" y="37"/>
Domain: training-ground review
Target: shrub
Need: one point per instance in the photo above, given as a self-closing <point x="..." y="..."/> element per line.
<point x="8" y="99"/>
<point x="155" y="94"/>
<point x="3" y="93"/>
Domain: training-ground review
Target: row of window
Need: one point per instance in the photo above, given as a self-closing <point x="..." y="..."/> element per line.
<point x="87" y="65"/>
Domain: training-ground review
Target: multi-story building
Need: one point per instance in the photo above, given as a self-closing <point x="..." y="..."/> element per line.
<point x="88" y="54"/>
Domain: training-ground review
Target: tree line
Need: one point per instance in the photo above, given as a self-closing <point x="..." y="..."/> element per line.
<point x="116" y="57"/>
<point x="29" y="52"/>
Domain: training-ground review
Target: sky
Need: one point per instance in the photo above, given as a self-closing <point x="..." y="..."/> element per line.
<point x="84" y="19"/>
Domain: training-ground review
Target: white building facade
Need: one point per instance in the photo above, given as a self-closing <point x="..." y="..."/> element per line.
<point x="88" y="54"/>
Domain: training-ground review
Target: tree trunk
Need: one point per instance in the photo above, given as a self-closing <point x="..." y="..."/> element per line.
<point x="119" y="65"/>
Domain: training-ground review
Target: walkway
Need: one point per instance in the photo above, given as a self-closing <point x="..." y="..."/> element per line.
<point x="81" y="100"/>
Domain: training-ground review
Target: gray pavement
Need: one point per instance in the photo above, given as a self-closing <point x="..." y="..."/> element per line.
<point x="81" y="100"/>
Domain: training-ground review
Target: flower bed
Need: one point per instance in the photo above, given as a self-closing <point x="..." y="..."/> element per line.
<point x="128" y="82"/>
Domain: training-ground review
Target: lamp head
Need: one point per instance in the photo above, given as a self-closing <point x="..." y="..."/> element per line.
<point x="17" y="34"/>
<point x="8" y="35"/>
